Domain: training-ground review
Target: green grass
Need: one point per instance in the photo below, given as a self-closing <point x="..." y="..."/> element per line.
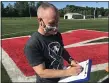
<point x="96" y="76"/>
<point x="12" y="27"/>
<point x="5" y="78"/>
<point x="100" y="40"/>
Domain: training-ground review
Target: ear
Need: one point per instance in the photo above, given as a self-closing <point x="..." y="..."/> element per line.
<point x="39" y="19"/>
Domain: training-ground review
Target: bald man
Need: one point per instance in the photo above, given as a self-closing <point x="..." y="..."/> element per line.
<point x="45" y="50"/>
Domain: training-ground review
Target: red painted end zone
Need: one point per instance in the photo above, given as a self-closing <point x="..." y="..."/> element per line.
<point x="81" y="35"/>
<point x="15" y="49"/>
<point x="98" y="53"/>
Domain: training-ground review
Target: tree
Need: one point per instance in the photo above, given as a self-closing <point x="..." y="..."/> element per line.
<point x="22" y="8"/>
<point x="2" y="10"/>
<point x="106" y="12"/>
<point x="25" y="9"/>
<point x="38" y="4"/>
<point x="10" y="10"/>
<point x="2" y="5"/>
<point x="61" y="12"/>
<point x="32" y="8"/>
<point x="102" y="11"/>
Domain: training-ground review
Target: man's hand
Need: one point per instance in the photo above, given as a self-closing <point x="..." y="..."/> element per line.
<point x="74" y="70"/>
<point x="74" y="63"/>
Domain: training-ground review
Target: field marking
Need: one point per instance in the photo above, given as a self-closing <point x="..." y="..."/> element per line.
<point x="61" y="33"/>
<point x="0" y="62"/>
<point x="11" y="67"/>
<point x="30" y="35"/>
<point x="23" y="32"/>
<point x="94" y="30"/>
<point x="85" y="43"/>
<point x="70" y="31"/>
<point x="78" y="45"/>
<point x="27" y="36"/>
<point x="17" y="76"/>
<point x="85" y="30"/>
<point x="104" y="78"/>
<point x="16" y="37"/>
<point x="16" y="33"/>
<point x="13" y="71"/>
<point x="99" y="67"/>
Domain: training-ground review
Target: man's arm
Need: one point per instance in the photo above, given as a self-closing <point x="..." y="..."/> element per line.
<point x="67" y="56"/>
<point x="51" y="73"/>
<point x="69" y="59"/>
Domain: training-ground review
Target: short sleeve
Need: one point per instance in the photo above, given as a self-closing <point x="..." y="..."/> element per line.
<point x="33" y="55"/>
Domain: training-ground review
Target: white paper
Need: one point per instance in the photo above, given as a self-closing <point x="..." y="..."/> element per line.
<point x="82" y="75"/>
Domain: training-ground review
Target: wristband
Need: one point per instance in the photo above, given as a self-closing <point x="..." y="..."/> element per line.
<point x="70" y="59"/>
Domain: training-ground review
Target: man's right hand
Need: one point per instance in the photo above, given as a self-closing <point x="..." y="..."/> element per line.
<point x="51" y="73"/>
<point x="74" y="70"/>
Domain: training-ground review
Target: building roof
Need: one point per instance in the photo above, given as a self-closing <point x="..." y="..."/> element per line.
<point x="73" y="14"/>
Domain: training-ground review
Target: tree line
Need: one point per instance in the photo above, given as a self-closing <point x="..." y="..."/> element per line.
<point x="84" y="10"/>
<point x="20" y="9"/>
<point x="27" y="9"/>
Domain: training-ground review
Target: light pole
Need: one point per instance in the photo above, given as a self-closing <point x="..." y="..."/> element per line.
<point x="29" y="10"/>
<point x="95" y="11"/>
<point x="84" y="12"/>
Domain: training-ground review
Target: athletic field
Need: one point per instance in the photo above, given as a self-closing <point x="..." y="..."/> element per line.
<point x="84" y="39"/>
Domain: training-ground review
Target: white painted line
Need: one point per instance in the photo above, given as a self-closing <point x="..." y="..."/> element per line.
<point x="67" y="32"/>
<point x="99" y="67"/>
<point x="29" y="31"/>
<point x="27" y="36"/>
<point x="13" y="71"/>
<point x="84" y="30"/>
<point x="17" y="76"/>
<point x="101" y="80"/>
<point x="61" y="33"/>
<point x="0" y="64"/>
<point x="93" y="30"/>
<point x="98" y="38"/>
<point x="85" y="43"/>
<point x="16" y="33"/>
<point x="15" y="37"/>
<point x="78" y="45"/>
<point x="70" y="31"/>
<point x="30" y="36"/>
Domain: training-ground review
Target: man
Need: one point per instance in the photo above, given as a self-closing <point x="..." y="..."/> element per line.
<point x="45" y="50"/>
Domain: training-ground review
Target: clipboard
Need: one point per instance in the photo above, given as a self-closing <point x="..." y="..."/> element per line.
<point x="83" y="76"/>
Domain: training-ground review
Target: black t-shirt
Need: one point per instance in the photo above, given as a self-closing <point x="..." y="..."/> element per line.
<point x="45" y="49"/>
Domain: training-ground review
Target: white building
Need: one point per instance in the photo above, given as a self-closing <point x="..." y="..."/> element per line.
<point x="73" y="16"/>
